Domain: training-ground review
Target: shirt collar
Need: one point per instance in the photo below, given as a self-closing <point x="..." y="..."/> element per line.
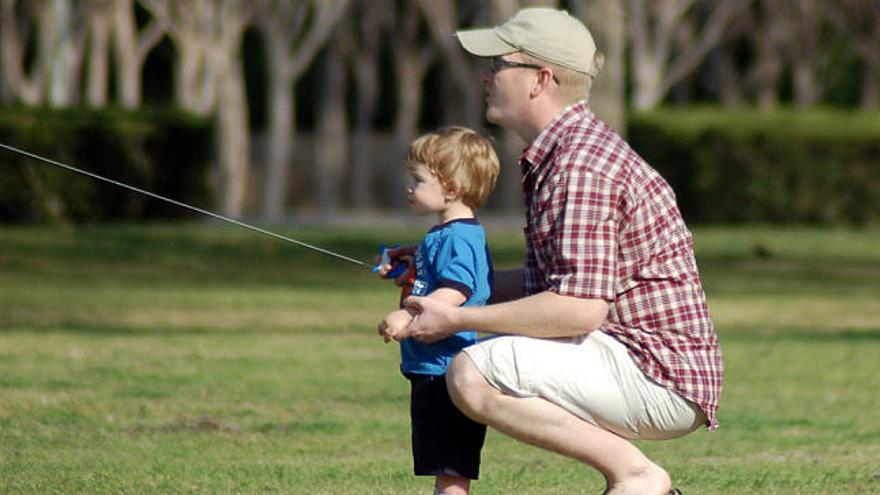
<point x="465" y="221"/>
<point x="538" y="151"/>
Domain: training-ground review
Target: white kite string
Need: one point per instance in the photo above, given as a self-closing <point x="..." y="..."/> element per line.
<point x="184" y="205"/>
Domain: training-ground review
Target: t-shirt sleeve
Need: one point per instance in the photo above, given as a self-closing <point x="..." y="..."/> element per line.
<point x="584" y="237"/>
<point x="456" y="265"/>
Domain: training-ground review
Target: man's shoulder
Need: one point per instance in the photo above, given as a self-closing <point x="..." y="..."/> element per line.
<point x="588" y="145"/>
<point x="585" y="130"/>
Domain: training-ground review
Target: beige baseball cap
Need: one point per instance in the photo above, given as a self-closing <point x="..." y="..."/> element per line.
<point x="547" y="34"/>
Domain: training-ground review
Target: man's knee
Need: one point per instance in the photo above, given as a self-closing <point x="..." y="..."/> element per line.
<point x="467" y="387"/>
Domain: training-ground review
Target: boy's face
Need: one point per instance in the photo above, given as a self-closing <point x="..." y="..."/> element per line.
<point x="425" y="194"/>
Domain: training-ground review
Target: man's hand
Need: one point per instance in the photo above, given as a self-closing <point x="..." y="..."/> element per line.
<point x="403" y="254"/>
<point x="435" y="320"/>
<point x="395" y="325"/>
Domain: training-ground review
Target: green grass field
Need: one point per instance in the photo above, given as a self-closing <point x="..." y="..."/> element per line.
<point x="193" y="359"/>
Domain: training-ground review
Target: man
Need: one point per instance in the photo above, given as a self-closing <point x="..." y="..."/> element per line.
<point x="605" y="332"/>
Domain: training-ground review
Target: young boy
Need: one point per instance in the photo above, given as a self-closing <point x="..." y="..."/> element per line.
<point x="453" y="171"/>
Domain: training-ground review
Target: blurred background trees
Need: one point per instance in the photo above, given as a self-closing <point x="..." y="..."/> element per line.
<point x="311" y="103"/>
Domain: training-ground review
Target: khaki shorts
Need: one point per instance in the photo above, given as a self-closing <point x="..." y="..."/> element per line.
<point x="592" y="377"/>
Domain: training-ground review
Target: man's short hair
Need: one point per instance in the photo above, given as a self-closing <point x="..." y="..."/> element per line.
<point x="462" y="159"/>
<point x="573" y="86"/>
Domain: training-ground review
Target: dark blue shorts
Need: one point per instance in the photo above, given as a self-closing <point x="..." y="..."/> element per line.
<point x="444" y="441"/>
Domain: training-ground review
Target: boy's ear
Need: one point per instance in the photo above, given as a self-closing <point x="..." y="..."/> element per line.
<point x="453" y="192"/>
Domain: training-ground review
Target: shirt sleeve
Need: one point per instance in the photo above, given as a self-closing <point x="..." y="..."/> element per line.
<point x="584" y="236"/>
<point x="455" y="266"/>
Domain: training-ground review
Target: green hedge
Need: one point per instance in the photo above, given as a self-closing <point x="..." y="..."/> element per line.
<point x="816" y="166"/>
<point x="812" y="166"/>
<point x="163" y="151"/>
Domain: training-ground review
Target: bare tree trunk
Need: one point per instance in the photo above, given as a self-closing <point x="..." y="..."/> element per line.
<point x="729" y="80"/>
<point x="805" y="53"/>
<point x="125" y="46"/>
<point x="233" y="131"/>
<point x="605" y="20"/>
<point x="361" y="39"/>
<point x="646" y="62"/>
<point x="409" y="71"/>
<point x="27" y="88"/>
<point x="209" y="77"/>
<point x="59" y="41"/>
<point x="869" y="46"/>
<point x="771" y="26"/>
<point x="281" y="138"/>
<point x="60" y="73"/>
<point x="234" y="139"/>
<point x="410" y="74"/>
<point x="361" y="161"/>
<point x="333" y="132"/>
<point x="443" y="17"/>
<point x="860" y="21"/>
<point x="724" y="73"/>
<point x="97" y="78"/>
<point x="192" y="26"/>
<point x="411" y="62"/>
<point x="654" y="29"/>
<point x="80" y="36"/>
<point x="7" y="95"/>
<point x="131" y="49"/>
<point x="293" y="43"/>
<point x="362" y="156"/>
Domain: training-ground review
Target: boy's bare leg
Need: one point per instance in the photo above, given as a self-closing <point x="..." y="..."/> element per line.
<point x="451" y="485"/>
<point x="546" y="425"/>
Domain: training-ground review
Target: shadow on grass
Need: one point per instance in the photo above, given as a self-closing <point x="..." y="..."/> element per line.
<point x="845" y="335"/>
<point x="107" y="330"/>
<point x="796" y="276"/>
<point x="205" y="256"/>
<point x="115" y="330"/>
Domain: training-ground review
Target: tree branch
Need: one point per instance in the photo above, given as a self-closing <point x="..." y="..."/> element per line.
<point x="709" y="38"/>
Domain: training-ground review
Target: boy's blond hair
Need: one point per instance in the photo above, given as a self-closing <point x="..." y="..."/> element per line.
<point x="462" y="159"/>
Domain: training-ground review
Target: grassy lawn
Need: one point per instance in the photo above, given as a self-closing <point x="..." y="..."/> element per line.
<point x="194" y="359"/>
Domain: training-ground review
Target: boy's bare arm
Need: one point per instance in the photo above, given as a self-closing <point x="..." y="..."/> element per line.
<point x="449" y="296"/>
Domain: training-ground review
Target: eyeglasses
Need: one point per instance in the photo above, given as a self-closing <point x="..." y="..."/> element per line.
<point x="497" y="64"/>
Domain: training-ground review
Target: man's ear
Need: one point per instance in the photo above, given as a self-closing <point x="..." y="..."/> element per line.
<point x="542" y="82"/>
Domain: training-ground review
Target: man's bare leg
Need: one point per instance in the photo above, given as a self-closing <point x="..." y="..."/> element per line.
<point x="546" y="425"/>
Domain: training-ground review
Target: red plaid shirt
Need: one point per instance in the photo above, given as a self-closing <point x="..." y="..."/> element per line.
<point x="602" y="224"/>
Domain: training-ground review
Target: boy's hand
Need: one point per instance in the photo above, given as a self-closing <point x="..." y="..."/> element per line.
<point x="402" y="253"/>
<point x="393" y="327"/>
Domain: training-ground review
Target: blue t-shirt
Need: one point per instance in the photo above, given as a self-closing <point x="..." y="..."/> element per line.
<point x="453" y="255"/>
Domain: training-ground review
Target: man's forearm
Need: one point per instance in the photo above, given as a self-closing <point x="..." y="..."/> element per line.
<point x="546" y="314"/>
<point x="507" y="286"/>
